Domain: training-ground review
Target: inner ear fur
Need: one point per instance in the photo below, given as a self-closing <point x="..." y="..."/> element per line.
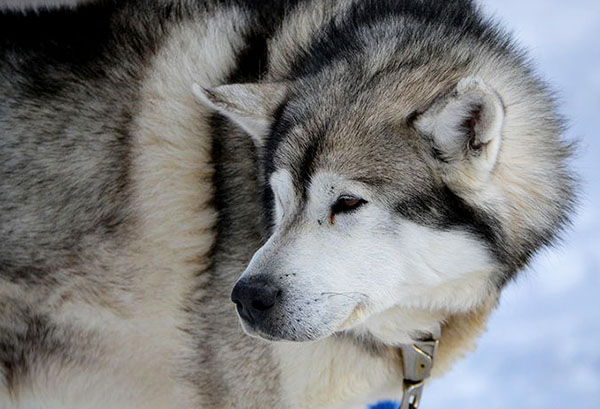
<point x="250" y="106"/>
<point x="465" y="126"/>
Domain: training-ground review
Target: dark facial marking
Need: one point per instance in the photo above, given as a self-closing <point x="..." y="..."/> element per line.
<point x="279" y="131"/>
<point x="306" y="167"/>
<point x="445" y="210"/>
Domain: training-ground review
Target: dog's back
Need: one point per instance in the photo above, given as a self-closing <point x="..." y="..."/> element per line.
<point x="93" y="168"/>
<point x="67" y="102"/>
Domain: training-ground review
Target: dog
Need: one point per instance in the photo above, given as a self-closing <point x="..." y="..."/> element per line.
<point x="348" y="175"/>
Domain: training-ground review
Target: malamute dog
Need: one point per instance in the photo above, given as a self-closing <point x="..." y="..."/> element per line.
<point x="353" y="174"/>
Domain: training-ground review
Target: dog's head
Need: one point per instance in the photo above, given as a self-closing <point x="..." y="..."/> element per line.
<point x="391" y="207"/>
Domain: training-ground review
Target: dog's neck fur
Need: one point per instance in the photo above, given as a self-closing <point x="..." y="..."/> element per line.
<point x="352" y="371"/>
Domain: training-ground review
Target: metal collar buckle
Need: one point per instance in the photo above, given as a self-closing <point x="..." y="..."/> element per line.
<point x="418" y="360"/>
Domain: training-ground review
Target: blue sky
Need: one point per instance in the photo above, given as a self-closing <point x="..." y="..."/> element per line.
<point x="542" y="349"/>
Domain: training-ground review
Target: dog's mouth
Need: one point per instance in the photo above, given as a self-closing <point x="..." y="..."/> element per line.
<point x="266" y="334"/>
<point x="300" y="326"/>
<point x="357" y="315"/>
<point x="284" y="327"/>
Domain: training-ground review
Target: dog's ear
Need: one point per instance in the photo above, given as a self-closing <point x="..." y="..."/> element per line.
<point x="251" y="106"/>
<point x="465" y="127"/>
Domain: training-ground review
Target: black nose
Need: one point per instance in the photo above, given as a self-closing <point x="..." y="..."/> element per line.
<point x="254" y="297"/>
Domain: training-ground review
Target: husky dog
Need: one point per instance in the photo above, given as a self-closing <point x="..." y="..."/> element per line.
<point x="352" y="174"/>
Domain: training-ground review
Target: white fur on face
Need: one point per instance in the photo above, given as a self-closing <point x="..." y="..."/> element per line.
<point x="368" y="270"/>
<point x="281" y="183"/>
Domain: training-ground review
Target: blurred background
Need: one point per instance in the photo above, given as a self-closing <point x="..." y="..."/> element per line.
<point x="542" y="349"/>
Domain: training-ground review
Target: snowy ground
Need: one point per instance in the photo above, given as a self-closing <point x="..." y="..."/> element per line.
<point x="542" y="349"/>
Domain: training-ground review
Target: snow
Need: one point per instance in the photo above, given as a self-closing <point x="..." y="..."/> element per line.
<point x="542" y="349"/>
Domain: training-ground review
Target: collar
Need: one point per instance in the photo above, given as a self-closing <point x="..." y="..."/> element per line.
<point x="417" y="360"/>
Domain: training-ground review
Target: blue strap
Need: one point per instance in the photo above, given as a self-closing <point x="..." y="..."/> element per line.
<point x="388" y="404"/>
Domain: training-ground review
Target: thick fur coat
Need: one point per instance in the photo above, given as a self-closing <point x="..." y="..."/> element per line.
<point x="131" y="201"/>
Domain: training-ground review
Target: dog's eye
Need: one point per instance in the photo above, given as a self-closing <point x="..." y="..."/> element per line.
<point x="346" y="204"/>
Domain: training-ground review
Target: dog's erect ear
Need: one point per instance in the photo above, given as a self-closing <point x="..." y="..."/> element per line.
<point x="251" y="106"/>
<point x="465" y="126"/>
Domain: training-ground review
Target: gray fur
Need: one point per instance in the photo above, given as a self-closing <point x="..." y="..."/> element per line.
<point x="73" y="85"/>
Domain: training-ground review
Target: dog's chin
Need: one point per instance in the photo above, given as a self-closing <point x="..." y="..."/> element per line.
<point x="302" y="328"/>
<point x="283" y="333"/>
